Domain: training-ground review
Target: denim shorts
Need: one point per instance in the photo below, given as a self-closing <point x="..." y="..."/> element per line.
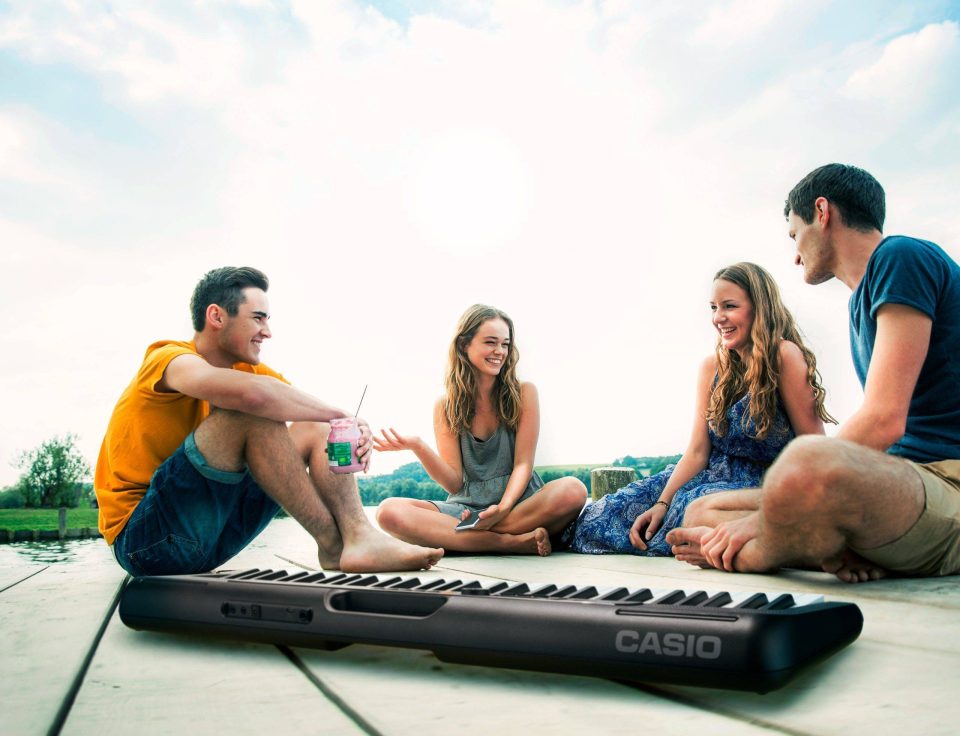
<point x="192" y="518"/>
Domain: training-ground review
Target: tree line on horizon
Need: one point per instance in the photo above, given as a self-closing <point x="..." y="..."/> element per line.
<point x="412" y="481"/>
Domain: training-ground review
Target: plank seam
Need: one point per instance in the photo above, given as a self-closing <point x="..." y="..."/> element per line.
<point x="26" y="578"/>
<point x="344" y="707"/>
<point x="64" y="711"/>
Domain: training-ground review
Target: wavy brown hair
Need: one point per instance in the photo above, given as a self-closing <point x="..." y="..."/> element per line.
<point x="772" y="322"/>
<point x="460" y="403"/>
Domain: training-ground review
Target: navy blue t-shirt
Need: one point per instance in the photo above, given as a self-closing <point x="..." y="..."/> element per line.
<point x="920" y="275"/>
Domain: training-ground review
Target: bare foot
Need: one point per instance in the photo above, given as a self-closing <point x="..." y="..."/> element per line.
<point x="723" y="543"/>
<point x="541" y="541"/>
<point x="536" y="542"/>
<point x="705" y="547"/>
<point x="328" y="562"/>
<point x="852" y="568"/>
<point x="372" y="551"/>
<point x="685" y="544"/>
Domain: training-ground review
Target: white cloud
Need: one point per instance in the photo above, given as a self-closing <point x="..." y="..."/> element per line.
<point x="910" y="67"/>
<point x="730" y="23"/>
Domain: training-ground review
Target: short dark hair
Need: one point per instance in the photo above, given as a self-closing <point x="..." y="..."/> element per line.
<point x="224" y="287"/>
<point x="854" y="192"/>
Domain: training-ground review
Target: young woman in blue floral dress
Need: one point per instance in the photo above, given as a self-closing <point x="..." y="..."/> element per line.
<point x="757" y="391"/>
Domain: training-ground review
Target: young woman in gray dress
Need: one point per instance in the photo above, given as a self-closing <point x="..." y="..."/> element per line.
<point x="486" y="427"/>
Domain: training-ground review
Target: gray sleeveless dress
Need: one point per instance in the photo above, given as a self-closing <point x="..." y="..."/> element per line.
<point x="487" y="465"/>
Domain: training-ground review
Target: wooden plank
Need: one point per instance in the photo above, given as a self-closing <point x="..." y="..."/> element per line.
<point x="49" y="623"/>
<point x="165" y="683"/>
<point x="411" y="692"/>
<point x="869" y="688"/>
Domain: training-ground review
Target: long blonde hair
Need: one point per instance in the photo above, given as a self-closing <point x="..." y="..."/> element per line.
<point x="460" y="402"/>
<point x="772" y="322"/>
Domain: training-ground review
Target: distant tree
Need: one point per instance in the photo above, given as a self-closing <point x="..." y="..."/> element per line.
<point x="11" y="498"/>
<point x="54" y="473"/>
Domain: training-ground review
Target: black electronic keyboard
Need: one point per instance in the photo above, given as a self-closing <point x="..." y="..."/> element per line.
<point x="741" y="641"/>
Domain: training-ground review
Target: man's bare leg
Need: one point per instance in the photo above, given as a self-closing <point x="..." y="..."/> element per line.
<point x="720" y="507"/>
<point x="364" y="548"/>
<point x="420" y="522"/>
<point x="232" y="441"/>
<point x="819" y="498"/>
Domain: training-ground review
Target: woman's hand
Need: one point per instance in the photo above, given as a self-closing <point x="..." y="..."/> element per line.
<point x="646" y="525"/>
<point x="392" y="441"/>
<point x="491" y="516"/>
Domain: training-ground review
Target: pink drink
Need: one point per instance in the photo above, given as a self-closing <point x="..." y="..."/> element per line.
<point x="342" y="446"/>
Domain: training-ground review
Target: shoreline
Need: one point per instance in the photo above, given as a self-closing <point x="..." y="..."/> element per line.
<point x="10" y="536"/>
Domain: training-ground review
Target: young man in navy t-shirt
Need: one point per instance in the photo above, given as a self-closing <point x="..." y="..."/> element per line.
<point x="884" y="495"/>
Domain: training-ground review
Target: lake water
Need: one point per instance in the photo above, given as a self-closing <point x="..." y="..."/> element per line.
<point x="282" y="535"/>
<point x="24" y="554"/>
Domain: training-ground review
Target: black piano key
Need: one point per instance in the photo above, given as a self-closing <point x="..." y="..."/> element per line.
<point x="564" y="591"/>
<point x="295" y="577"/>
<point x="467" y="590"/>
<point x="518" y="589"/>
<point x="472" y="585"/>
<point x="245" y="574"/>
<point x="497" y="587"/>
<point x="337" y="579"/>
<point x="717" y="600"/>
<point x="674" y="596"/>
<point x="782" y="601"/>
<point x="268" y="575"/>
<point x="313" y="578"/>
<point x="615" y="594"/>
<point x="406" y="584"/>
<point x="387" y="582"/>
<point x="365" y="581"/>
<point x="350" y="580"/>
<point x="694" y="599"/>
<point x="451" y="585"/>
<point x="432" y="584"/>
<point x="757" y="600"/>
<point x="639" y="596"/>
<point x="543" y="591"/>
<point x="585" y="594"/>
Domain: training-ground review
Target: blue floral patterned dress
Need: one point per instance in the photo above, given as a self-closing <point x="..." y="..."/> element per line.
<point x="737" y="460"/>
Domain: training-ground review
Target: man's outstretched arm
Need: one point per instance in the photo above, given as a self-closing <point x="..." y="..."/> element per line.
<point x="261" y="396"/>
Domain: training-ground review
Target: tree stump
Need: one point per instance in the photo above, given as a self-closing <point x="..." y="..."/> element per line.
<point x="608" y="480"/>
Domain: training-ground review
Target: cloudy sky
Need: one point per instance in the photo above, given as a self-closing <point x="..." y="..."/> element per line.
<point x="585" y="166"/>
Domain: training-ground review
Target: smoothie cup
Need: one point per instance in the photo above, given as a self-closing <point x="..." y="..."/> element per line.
<point x="342" y="446"/>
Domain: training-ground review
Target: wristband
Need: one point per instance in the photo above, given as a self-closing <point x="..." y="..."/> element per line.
<point x="665" y="504"/>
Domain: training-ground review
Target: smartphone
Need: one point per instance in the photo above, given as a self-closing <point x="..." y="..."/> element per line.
<point x="469" y="523"/>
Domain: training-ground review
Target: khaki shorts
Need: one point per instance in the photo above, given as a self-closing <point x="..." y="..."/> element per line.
<point x="932" y="545"/>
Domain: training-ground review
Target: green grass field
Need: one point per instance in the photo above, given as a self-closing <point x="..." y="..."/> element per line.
<point x="17" y="519"/>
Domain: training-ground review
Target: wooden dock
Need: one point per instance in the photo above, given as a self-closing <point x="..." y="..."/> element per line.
<point x="70" y="665"/>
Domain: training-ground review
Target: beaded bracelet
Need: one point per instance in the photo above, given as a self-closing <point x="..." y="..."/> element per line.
<point x="664" y="503"/>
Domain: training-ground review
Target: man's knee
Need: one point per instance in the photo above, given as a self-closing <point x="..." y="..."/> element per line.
<point x="804" y="478"/>
<point x="309" y="436"/>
